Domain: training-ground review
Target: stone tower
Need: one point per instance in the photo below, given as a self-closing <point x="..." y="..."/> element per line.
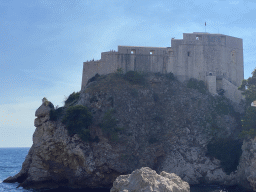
<point x="214" y="58"/>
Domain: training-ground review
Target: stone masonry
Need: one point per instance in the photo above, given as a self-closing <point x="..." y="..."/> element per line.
<point x="216" y="59"/>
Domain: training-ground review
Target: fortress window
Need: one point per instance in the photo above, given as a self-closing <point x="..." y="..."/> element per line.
<point x="198" y="37"/>
<point x="133" y="51"/>
<point x="152" y="52"/>
<point x="188" y="53"/>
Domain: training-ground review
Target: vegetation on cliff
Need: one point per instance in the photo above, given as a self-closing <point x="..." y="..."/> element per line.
<point x="196" y="84"/>
<point x="110" y="96"/>
<point x="249" y="118"/>
<point x="77" y="120"/>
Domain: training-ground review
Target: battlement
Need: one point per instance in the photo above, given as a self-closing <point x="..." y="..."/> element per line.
<point x="195" y="56"/>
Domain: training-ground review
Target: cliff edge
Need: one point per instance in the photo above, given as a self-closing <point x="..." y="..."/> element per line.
<point x="154" y="122"/>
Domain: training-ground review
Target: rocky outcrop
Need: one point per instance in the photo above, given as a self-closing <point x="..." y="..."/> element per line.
<point x="165" y="126"/>
<point x="146" y="179"/>
<point x="247" y="166"/>
<point x="44" y="109"/>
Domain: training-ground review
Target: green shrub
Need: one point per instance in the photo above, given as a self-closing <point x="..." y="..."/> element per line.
<point x="249" y="123"/>
<point x="170" y="76"/>
<point x="109" y="125"/>
<point x="77" y="120"/>
<point x="55" y="114"/>
<point x="196" y="84"/>
<point x="84" y="134"/>
<point x="72" y="97"/>
<point x="134" y="77"/>
<point x="228" y="151"/>
<point x="223" y="106"/>
<point x="94" y="78"/>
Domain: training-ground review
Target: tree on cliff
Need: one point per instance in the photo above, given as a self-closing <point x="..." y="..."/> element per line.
<point x="249" y="88"/>
<point x="249" y="119"/>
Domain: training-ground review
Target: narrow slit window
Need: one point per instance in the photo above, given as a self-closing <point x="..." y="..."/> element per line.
<point x="152" y="52"/>
<point x="188" y="54"/>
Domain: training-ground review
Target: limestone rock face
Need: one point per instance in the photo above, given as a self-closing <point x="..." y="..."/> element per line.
<point x="146" y="179"/>
<point x="44" y="109"/>
<point x="164" y="127"/>
<point x="247" y="166"/>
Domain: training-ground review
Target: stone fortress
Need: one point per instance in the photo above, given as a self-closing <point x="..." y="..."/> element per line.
<point x="216" y="59"/>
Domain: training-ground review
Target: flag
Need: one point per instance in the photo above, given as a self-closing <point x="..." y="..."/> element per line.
<point x="205" y="24"/>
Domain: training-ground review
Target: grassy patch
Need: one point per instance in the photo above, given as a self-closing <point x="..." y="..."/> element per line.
<point x="77" y="120"/>
<point x="72" y="98"/>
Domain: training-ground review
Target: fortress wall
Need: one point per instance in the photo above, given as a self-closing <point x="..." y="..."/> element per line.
<point x="240" y="67"/>
<point x="194" y="56"/>
<point x="200" y="68"/>
<point x="235" y="64"/>
<point x="170" y="65"/>
<point x="231" y="91"/>
<point x="211" y="84"/>
<point x="109" y="62"/>
<point x="234" y="42"/>
<point x="139" y="62"/>
<point x="89" y="70"/>
<point x="181" y="67"/>
<point x="212" y="58"/>
<point x="142" y="50"/>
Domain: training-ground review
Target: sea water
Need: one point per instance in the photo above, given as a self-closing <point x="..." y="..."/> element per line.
<point x="11" y="160"/>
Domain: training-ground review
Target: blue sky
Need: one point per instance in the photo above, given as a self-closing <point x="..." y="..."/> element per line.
<point x="43" y="44"/>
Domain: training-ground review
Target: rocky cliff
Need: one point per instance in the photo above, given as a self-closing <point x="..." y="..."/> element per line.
<point x="160" y="124"/>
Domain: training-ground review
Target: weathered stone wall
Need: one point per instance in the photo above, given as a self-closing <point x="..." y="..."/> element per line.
<point x="211" y="84"/>
<point x="231" y="91"/>
<point x="146" y="59"/>
<point x="195" y="56"/>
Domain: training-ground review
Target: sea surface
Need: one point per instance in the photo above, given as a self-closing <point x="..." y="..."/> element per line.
<point x="11" y="160"/>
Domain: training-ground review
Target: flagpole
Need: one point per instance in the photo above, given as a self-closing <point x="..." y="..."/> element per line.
<point x="205" y="26"/>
